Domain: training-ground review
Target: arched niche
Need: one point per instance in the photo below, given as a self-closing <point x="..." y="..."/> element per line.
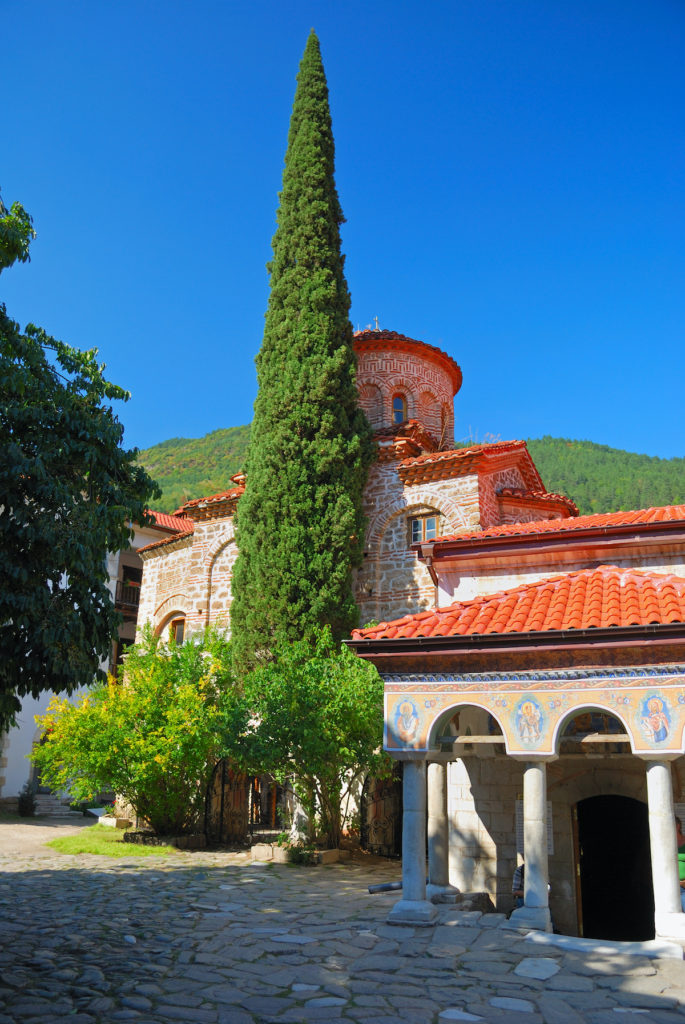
<point x="588" y="720"/>
<point x="371" y="401"/>
<point x="464" y="719"/>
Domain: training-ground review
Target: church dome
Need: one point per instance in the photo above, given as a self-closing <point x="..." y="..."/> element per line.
<point x="400" y="378"/>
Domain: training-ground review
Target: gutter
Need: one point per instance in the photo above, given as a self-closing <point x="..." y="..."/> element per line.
<point x="550" y="541"/>
<point x="518" y="643"/>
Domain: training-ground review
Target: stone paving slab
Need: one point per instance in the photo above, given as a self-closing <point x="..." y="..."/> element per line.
<point x="209" y="938"/>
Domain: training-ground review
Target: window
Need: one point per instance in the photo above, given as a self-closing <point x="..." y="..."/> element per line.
<point x="177" y="629"/>
<point x="424" y="528"/>
<point x="399" y="409"/>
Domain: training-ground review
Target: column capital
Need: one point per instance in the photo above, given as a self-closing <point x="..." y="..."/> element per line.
<point x="654" y="757"/>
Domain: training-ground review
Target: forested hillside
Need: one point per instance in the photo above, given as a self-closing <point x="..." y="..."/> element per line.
<point x="603" y="479"/>
<point x="598" y="478"/>
<point x="193" y="467"/>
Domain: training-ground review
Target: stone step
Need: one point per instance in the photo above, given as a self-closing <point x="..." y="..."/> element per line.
<point x="48" y="805"/>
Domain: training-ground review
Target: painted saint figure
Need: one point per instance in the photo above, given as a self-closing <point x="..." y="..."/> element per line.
<point x="407" y="721"/>
<point x="529" y="722"/>
<point x="655" y="721"/>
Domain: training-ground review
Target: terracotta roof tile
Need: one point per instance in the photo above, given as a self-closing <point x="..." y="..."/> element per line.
<point x="538" y="498"/>
<point x="173" y="523"/>
<point x="598" y="520"/>
<point x="169" y="540"/>
<point x="212" y="506"/>
<point x="587" y="599"/>
<point x="234" y="492"/>
<point x="477" y="457"/>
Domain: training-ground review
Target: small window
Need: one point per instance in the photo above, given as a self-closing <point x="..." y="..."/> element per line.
<point x="424" y="528"/>
<point x="177" y="629"/>
<point x="399" y="409"/>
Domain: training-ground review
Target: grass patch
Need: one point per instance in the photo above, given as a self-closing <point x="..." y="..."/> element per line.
<point x="106" y="841"/>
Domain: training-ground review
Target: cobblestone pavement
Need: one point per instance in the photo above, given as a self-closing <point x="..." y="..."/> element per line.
<point x="209" y="938"/>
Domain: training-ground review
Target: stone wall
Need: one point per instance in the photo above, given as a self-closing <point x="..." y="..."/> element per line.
<point x="191" y="576"/>
<point x="392" y="582"/>
<point x="164" y="589"/>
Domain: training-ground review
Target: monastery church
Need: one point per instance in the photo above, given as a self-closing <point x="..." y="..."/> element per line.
<point x="533" y="662"/>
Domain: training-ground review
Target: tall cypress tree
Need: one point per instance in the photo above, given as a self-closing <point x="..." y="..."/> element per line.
<point x="300" y="525"/>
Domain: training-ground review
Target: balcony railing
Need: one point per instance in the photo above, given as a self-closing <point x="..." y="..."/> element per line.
<point x="127" y="595"/>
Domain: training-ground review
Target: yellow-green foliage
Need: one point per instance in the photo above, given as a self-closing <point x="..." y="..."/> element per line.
<point x="153" y="739"/>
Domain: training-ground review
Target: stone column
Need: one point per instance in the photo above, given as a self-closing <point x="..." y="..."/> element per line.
<point x="668" y="919"/>
<point x="438" y="834"/>
<point x="413" y="908"/>
<point x="535" y="911"/>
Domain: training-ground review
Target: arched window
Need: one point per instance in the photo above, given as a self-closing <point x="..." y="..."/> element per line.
<point x="177" y="629"/>
<point x="399" y="409"/>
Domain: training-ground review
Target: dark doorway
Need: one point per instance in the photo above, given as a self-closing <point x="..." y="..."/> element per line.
<point x="615" y="872"/>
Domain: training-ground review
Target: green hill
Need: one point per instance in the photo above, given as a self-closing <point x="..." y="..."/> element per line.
<point x="191" y="467"/>
<point x="603" y="479"/>
<point x="598" y="478"/>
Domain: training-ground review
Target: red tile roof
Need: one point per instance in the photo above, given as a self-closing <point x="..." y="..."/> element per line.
<point x="539" y="497"/>
<point x="214" y="504"/>
<point x="590" y="598"/>
<point x="597" y="520"/>
<point x="379" y="339"/>
<point x="464" y="461"/>
<point x="172" y="523"/>
<point x="169" y="540"/>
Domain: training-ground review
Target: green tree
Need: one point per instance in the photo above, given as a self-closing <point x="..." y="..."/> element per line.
<point x="300" y="525"/>
<point x="318" y="720"/>
<point x="69" y="493"/>
<point x="154" y="739"/>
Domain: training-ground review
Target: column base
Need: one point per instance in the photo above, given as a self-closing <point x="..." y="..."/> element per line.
<point x="670" y="926"/>
<point x="530" y="917"/>
<point x="418" y="913"/>
<point x="442" y="893"/>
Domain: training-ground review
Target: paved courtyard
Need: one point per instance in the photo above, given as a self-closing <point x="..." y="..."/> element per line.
<point x="209" y="938"/>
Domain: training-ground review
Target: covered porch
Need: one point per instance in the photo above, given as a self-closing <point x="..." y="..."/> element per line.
<point x="559" y="748"/>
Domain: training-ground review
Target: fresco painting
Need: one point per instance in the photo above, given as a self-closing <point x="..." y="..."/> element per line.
<point x="534" y="715"/>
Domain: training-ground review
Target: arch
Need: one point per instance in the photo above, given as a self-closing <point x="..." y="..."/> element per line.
<point x="419" y="498"/>
<point x="397" y="385"/>
<point x="176" y="604"/>
<point x="225" y="537"/>
<point x="447" y="714"/>
<point x="168" y="620"/>
<point x="580" y="709"/>
<point x="371" y="401"/>
<point x="428" y="411"/>
<point x="214" y="550"/>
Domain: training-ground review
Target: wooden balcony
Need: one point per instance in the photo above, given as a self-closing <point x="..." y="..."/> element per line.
<point x="127" y="597"/>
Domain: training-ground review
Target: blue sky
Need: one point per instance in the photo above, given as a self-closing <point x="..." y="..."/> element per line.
<point x="511" y="172"/>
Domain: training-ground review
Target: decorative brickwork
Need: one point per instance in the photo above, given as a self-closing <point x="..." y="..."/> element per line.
<point x="390" y="364"/>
